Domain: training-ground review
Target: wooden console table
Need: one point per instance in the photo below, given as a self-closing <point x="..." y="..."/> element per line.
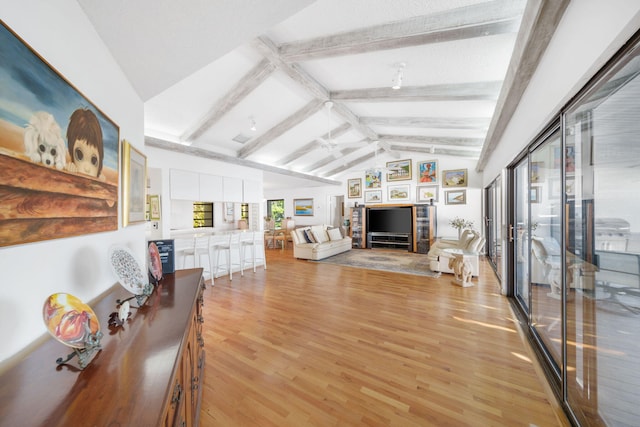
<point x="148" y="373"/>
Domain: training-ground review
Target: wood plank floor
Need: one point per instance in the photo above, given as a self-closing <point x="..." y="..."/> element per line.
<point x="308" y="344"/>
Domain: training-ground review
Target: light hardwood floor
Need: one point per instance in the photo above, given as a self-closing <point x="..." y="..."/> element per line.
<point x="309" y="344"/>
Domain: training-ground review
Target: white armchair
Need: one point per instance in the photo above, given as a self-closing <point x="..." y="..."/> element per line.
<point x="470" y="245"/>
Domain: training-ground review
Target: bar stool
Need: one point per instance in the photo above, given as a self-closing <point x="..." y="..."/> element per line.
<point x="255" y="241"/>
<point x="223" y="244"/>
<point x="199" y="248"/>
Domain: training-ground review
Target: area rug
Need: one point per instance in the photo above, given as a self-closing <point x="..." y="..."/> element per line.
<point x="398" y="262"/>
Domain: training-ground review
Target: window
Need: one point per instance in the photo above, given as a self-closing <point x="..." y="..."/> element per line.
<point x="244" y="211"/>
<point x="275" y="210"/>
<point x="202" y="214"/>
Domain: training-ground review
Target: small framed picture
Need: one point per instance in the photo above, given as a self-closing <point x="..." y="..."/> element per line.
<point x="428" y="172"/>
<point x="373" y="178"/>
<point x="454" y="178"/>
<point x="455" y="197"/>
<point x="535" y="194"/>
<point x="427" y="193"/>
<point x="373" y="196"/>
<point x="537" y="171"/>
<point x="134" y="181"/>
<point x="154" y="207"/>
<point x="303" y="207"/>
<point x="354" y="188"/>
<point x="396" y="193"/>
<point x="399" y="170"/>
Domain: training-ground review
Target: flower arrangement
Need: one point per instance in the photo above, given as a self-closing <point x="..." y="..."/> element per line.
<point x="460" y="223"/>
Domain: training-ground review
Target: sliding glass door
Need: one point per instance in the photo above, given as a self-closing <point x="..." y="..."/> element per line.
<point x="602" y="168"/>
<point x="574" y="259"/>
<point x="519" y="232"/>
<point x="493" y="223"/>
<point x="545" y="243"/>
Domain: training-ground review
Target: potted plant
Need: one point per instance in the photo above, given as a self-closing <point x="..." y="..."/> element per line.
<point x="460" y="224"/>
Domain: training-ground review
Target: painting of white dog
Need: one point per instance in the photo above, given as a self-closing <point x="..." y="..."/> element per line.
<point x="43" y="141"/>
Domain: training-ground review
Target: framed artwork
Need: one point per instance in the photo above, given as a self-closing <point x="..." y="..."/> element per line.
<point x="303" y="207"/>
<point x="354" y="188"/>
<point x="400" y="170"/>
<point x="373" y="178"/>
<point x="373" y="196"/>
<point x="454" y="178"/>
<point x="570" y="159"/>
<point x="396" y="193"/>
<point x="535" y="194"/>
<point x="427" y="193"/>
<point x="134" y="184"/>
<point x="570" y="187"/>
<point x="229" y="212"/>
<point x="536" y="172"/>
<point x="44" y="121"/>
<point x="154" y="207"/>
<point x="455" y="197"/>
<point x="428" y="172"/>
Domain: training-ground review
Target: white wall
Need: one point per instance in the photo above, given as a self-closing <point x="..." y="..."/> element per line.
<point x="61" y="34"/>
<point x="472" y="210"/>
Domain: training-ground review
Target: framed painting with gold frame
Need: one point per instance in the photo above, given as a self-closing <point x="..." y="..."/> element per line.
<point x="134" y="179"/>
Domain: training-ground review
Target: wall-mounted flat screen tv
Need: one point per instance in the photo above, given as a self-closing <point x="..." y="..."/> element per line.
<point x="389" y="220"/>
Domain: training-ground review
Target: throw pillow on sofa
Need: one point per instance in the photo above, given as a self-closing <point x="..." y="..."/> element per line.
<point x="308" y="236"/>
<point x="320" y="236"/>
<point x="334" y="234"/>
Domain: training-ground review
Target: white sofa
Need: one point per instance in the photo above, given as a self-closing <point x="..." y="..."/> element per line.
<point x="471" y="243"/>
<point x="326" y="242"/>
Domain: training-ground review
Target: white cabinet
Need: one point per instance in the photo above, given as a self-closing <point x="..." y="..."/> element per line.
<point x="202" y="187"/>
<point x="232" y="189"/>
<point x="184" y="185"/>
<point x="251" y="192"/>
<point x="211" y="188"/>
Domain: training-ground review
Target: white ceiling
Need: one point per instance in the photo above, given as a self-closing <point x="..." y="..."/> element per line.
<point x="204" y="68"/>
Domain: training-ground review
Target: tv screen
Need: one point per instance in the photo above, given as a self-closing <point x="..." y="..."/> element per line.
<point x="389" y="220"/>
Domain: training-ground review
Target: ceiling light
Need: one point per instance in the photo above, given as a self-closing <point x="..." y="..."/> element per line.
<point x="397" y="81"/>
<point x="252" y="124"/>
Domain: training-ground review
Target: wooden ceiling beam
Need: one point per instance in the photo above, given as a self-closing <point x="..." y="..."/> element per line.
<point x="480" y="20"/>
<point x="237" y="93"/>
<point x="359" y="161"/>
<point x="268" y="49"/>
<point x="436" y="150"/>
<point x="208" y="154"/>
<point x="334" y="157"/>
<point x="473" y="91"/>
<point x="539" y="23"/>
<point x="433" y="140"/>
<point x="473" y="123"/>
<point x="290" y="122"/>
<point x="313" y="145"/>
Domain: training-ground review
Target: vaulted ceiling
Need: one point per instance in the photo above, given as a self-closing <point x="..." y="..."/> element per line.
<point x="304" y="89"/>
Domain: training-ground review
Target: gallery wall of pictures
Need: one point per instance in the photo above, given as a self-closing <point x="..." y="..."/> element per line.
<point x="399" y="179"/>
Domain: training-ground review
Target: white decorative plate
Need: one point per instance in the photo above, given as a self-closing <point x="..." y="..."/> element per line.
<point x="127" y="269"/>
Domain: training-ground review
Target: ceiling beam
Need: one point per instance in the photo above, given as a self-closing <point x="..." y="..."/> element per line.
<point x="473" y="91"/>
<point x="238" y="92"/>
<point x="268" y="49"/>
<point x="313" y="145"/>
<point x="290" y="122"/>
<point x="433" y="140"/>
<point x="539" y="23"/>
<point x="436" y="150"/>
<point x="199" y="152"/>
<point x="359" y="161"/>
<point x="476" y="123"/>
<point x="337" y="156"/>
<point x="480" y="20"/>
